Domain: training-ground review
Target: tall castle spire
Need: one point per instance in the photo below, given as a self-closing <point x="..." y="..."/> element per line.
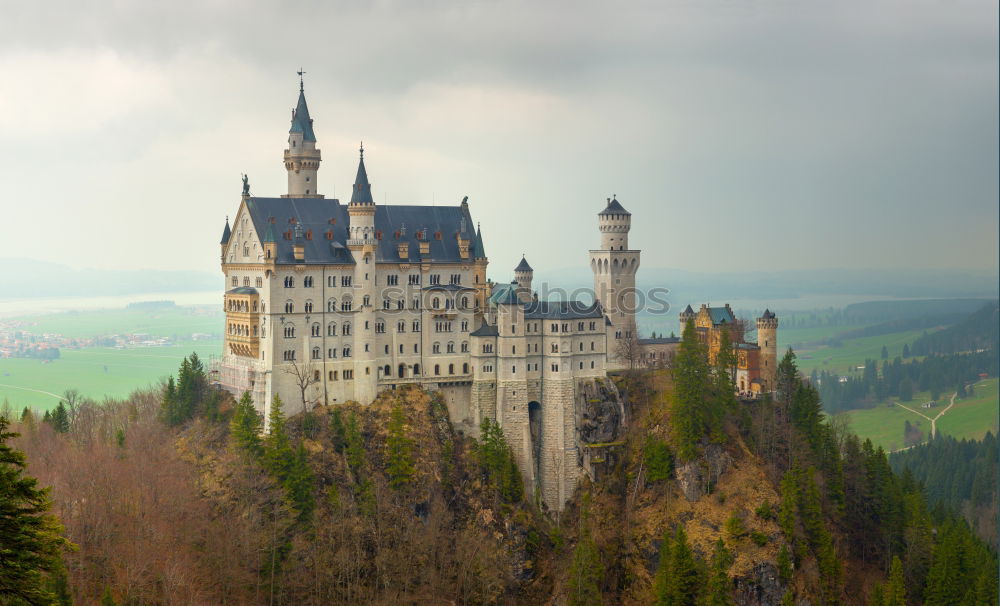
<point x="362" y="192"/>
<point x="302" y="158"/>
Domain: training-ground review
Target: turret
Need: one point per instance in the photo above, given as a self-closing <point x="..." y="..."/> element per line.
<point x="686" y="316"/>
<point x="270" y="246"/>
<point x="614" y="223"/>
<point x="302" y="158"/>
<point x="522" y="277"/>
<point x="361" y="208"/>
<point x="299" y="247"/>
<point x="226" y="232"/>
<point x="767" y="340"/>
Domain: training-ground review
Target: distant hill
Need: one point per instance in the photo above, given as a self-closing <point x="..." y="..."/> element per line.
<point x="30" y="278"/>
<point x="710" y="286"/>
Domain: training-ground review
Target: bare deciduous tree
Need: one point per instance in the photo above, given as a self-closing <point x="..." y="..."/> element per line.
<point x="305" y="377"/>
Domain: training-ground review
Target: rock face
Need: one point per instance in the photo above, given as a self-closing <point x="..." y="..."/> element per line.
<point x="696" y="478"/>
<point x="760" y="587"/>
<point x="600" y="412"/>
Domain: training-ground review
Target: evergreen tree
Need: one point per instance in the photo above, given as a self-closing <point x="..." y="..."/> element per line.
<point x="400" y="468"/>
<point x="784" y="564"/>
<point x="885" y="353"/>
<point x="685" y="578"/>
<point x="60" y="419"/>
<point x="691" y="417"/>
<point x="658" y="459"/>
<point x="718" y="588"/>
<point x="906" y="390"/>
<point x="906" y="351"/>
<point x="661" y="580"/>
<point x="246" y="426"/>
<point x="278" y="451"/>
<point x="31" y="540"/>
<point x="586" y="570"/>
<point x="894" y="592"/>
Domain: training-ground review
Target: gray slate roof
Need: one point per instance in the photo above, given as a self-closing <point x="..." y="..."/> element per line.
<point x="242" y="290"/>
<point x="721" y="315"/>
<point x="226" y="233"/>
<point x="523" y="265"/>
<point x="319" y="215"/>
<point x="485" y="330"/>
<point x="614" y="207"/>
<point x="362" y="192"/>
<point x="660" y="341"/>
<point x="301" y="122"/>
<point x="768" y="315"/>
<point x="562" y="310"/>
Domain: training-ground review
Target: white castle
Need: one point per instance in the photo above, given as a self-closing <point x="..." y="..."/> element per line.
<point x="327" y="303"/>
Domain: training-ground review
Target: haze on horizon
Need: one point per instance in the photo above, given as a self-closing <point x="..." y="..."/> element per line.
<point x="775" y="135"/>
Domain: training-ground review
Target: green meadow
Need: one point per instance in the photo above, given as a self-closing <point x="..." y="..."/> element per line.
<point x="969" y="418"/>
<point x="97" y="372"/>
<point x="177" y="323"/>
<point x="852" y="352"/>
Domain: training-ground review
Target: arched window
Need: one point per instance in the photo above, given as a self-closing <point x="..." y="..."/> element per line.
<point x="289" y="307"/>
<point x="316" y="353"/>
<point x="451" y="347"/>
<point x="465" y="368"/>
<point x="366" y="301"/>
<point x="289" y="330"/>
<point x="416" y="370"/>
<point x="347" y="329"/>
<point x="436" y="348"/>
<point x="347" y="352"/>
<point x="465" y="346"/>
<point x="451" y="369"/>
<point x="386" y="371"/>
<point x="465" y="302"/>
<point x="236" y="281"/>
<point x="246" y="281"/>
<point x="436" y="303"/>
<point x="317" y="330"/>
<point x="402" y="370"/>
<point x="331" y="329"/>
<point x="289" y="282"/>
<point x="437" y="370"/>
<point x="309" y="307"/>
<point x="331" y="305"/>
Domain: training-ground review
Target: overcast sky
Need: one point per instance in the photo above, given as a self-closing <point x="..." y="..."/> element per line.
<point x="741" y="135"/>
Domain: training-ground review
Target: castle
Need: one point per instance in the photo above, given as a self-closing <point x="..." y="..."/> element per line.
<point x="327" y="303"/>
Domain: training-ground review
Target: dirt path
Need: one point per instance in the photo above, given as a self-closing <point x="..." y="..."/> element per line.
<point x="48" y="393"/>
<point x="934" y="420"/>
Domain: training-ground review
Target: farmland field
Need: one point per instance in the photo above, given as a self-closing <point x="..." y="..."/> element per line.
<point x="96" y="372"/>
<point x="177" y="323"/>
<point x="853" y="352"/>
<point x="969" y="418"/>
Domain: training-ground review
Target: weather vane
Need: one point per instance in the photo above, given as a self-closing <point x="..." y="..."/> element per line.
<point x="301" y="83"/>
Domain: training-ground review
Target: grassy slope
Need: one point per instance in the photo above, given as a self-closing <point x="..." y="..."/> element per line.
<point x="854" y="352"/>
<point x="177" y="321"/>
<point x="969" y="418"/>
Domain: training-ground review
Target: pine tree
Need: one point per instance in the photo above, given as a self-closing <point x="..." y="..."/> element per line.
<point x="246" y="426"/>
<point x="298" y="483"/>
<point x="278" y="450"/>
<point x="894" y="592"/>
<point x="400" y="468"/>
<point x="586" y="570"/>
<point x="685" y="579"/>
<point x="690" y="416"/>
<point x="885" y="353"/>
<point x="60" y="419"/>
<point x="784" y="564"/>
<point x="718" y="588"/>
<point x="31" y="541"/>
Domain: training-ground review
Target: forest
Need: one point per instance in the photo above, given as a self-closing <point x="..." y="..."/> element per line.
<point x="176" y="496"/>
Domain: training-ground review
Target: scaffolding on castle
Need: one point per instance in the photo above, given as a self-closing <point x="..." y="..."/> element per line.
<point x="239" y="375"/>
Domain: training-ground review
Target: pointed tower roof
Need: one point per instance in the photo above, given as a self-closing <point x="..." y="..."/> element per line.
<point x="523" y="265"/>
<point x="480" y="249"/>
<point x="269" y="234"/>
<point x="768" y="315"/>
<point x="688" y="309"/>
<point x="362" y="193"/>
<point x="614" y="207"/>
<point x="226" y="233"/>
<point x="301" y="122"/>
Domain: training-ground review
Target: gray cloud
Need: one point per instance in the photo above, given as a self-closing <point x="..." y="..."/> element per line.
<point x="781" y="134"/>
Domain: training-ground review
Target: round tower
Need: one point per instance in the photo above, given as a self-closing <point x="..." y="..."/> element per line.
<point x="767" y="340"/>
<point x="614" y="266"/>
<point x="614" y="223"/>
<point x="302" y="158"/>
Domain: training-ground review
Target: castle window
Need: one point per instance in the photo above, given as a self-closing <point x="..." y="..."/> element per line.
<point x="465" y="347"/>
<point x="392" y="279"/>
<point x="316" y="355"/>
<point x="331" y="329"/>
<point x="333" y="375"/>
<point x="435" y="303"/>
<point x="316" y="330"/>
<point x="346" y="352"/>
<point x="436" y="348"/>
<point x="289" y="332"/>
<point x="451" y="347"/>
<point x="581" y="346"/>
<point x="331" y="305"/>
<point x="555" y="327"/>
<point x="579" y="325"/>
<point x="581" y="365"/>
<point x="513" y="329"/>
<point x="416" y="348"/>
<point x="555" y="348"/>
<point x="380" y="326"/>
<point x="366" y="301"/>
<point x="465" y="326"/>
<point x="345" y="280"/>
<point x="307" y="282"/>
<point x="236" y="281"/>
<point x="591" y="363"/>
<point x="513" y="370"/>
<point x="435" y="279"/>
<point x="513" y="350"/>
<point x="592" y="346"/>
<point x="400" y="304"/>
<point x="555" y="368"/>
<point x="416" y="370"/>
<point x="347" y="329"/>
<point x="246" y="281"/>
<point x="348" y="375"/>
<point x="385" y="303"/>
<point x="401" y="326"/>
<point x="437" y="370"/>
<point x="465" y="368"/>
<point x="330" y="280"/>
<point x="416" y="326"/>
<point x="309" y="307"/>
<point x="451" y="369"/>
<point x="289" y="282"/>
<point x="400" y="348"/>
<point x="331" y="353"/>
<point x="414" y="279"/>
